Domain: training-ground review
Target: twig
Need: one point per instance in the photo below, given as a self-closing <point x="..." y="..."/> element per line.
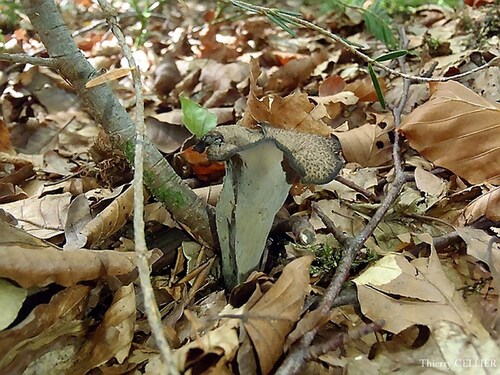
<point x="368" y="194"/>
<point x="318" y="350"/>
<point x="21" y="58"/>
<point x="293" y="19"/>
<point x="99" y="23"/>
<point x="152" y="312"/>
<point x="102" y="103"/>
<point x="294" y="361"/>
<point x="330" y="225"/>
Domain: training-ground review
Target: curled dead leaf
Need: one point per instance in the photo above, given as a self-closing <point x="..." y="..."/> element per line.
<point x="272" y="317"/>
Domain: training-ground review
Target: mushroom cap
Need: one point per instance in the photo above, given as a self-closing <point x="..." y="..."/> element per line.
<point x="316" y="159"/>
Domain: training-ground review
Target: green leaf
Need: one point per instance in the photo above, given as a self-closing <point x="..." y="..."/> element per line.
<point x="377" y="21"/>
<point x="281" y="23"/>
<point x="391" y="55"/>
<point x="289" y="12"/>
<point x="378" y="89"/>
<point x="198" y="120"/>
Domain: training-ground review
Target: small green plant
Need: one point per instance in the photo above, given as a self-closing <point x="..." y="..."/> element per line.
<point x="385" y="57"/>
<point x="198" y="120"/>
<point x="376" y="18"/>
<point x="327" y="258"/>
<point x="144" y="10"/>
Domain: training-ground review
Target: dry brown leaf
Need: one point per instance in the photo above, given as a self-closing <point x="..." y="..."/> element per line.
<point x="364" y="89"/>
<point x="429" y="183"/>
<point x="481" y="246"/>
<point x="108" y="76"/>
<point x="113" y="337"/>
<point x="292" y="112"/>
<point x="458" y="130"/>
<point x="312" y="319"/>
<point x="221" y="77"/>
<point x="220" y="345"/>
<point x="425" y="294"/>
<point x="449" y="350"/>
<point x="166" y="137"/>
<point x="42" y="217"/>
<point x="44" y="329"/>
<point x="5" y="145"/>
<point x="331" y="85"/>
<point x="294" y="73"/>
<point x="487" y="205"/>
<point x="110" y="220"/>
<point x="369" y="145"/>
<point x="30" y="261"/>
<point x="272" y="317"/>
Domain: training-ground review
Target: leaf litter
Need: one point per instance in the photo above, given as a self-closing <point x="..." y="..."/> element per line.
<point x="63" y="186"/>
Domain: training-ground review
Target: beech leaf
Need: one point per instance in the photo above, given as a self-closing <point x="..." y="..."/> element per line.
<point x="458" y="130"/>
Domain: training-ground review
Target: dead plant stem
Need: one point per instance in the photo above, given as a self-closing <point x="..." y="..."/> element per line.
<point x="152" y="312"/>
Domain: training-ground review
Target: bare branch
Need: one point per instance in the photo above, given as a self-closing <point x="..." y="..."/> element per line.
<point x="101" y="102"/>
<point x="21" y="58"/>
<point x="154" y="318"/>
<point x="296" y="358"/>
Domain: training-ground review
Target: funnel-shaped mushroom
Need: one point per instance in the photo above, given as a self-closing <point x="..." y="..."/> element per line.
<point x="256" y="186"/>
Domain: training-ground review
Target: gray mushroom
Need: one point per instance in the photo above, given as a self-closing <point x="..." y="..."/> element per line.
<point x="316" y="159"/>
<point x="257" y="183"/>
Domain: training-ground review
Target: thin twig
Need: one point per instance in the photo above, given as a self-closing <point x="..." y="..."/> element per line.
<point x="152" y="312"/>
<point x="368" y="194"/>
<point x="21" y="58"/>
<point x="315" y="351"/>
<point x="293" y="19"/>
<point x="330" y="225"/>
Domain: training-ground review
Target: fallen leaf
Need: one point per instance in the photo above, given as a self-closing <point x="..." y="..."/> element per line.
<point x="11" y="298"/>
<point x="369" y="145"/>
<point x="30" y="261"/>
<point x="108" y="76"/>
<point x="292" y="112"/>
<point x="42" y="217"/>
<point x="450" y="349"/>
<point x="272" y="317"/>
<point x="113" y="337"/>
<point x="364" y="89"/>
<point x="458" y="130"/>
<point x="44" y="330"/>
<point x="424" y="294"/>
<point x="487" y="205"/>
<point x="110" y="220"/>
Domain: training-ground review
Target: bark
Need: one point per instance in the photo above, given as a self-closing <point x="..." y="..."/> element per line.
<point x="103" y="105"/>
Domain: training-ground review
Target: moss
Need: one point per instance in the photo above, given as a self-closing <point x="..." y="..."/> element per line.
<point x="163" y="193"/>
<point x="129" y="151"/>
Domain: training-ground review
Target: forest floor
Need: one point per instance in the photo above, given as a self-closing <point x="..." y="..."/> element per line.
<point x="422" y="291"/>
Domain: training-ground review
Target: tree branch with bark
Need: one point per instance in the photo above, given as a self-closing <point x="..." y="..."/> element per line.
<point x="160" y="178"/>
